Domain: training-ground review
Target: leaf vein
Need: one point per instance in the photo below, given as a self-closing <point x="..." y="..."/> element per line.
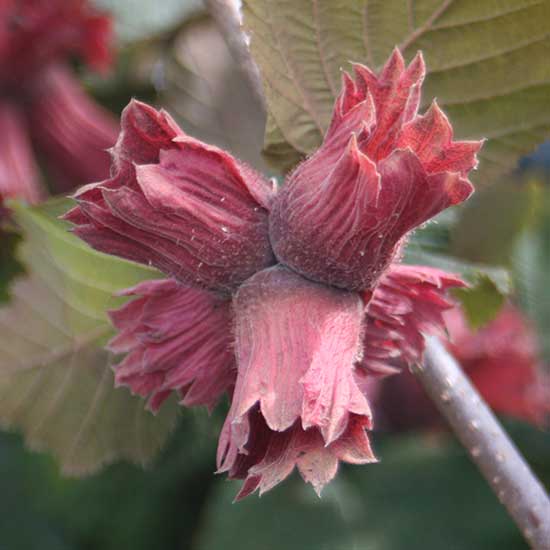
<point x="442" y="26"/>
<point x="98" y="396"/>
<point x="517" y="46"/>
<point x="418" y="32"/>
<point x="328" y="78"/>
<point x="308" y="106"/>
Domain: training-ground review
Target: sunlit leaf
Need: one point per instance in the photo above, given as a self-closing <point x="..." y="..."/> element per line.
<point x="487" y="63"/>
<point x="56" y="383"/>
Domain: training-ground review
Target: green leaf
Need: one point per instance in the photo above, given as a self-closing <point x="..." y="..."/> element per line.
<point x="481" y="302"/>
<point x="417" y="253"/>
<point x="142" y="19"/>
<point x="487" y="63"/>
<point x="10" y="267"/>
<point x="56" y="382"/>
<point x="488" y="284"/>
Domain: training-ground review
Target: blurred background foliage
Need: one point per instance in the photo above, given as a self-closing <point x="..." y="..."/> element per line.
<point x="425" y="489"/>
<point x="424" y="493"/>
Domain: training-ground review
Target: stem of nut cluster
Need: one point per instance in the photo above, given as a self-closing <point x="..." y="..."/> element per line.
<point x="491" y="449"/>
<point x="226" y="15"/>
<point x="471" y="419"/>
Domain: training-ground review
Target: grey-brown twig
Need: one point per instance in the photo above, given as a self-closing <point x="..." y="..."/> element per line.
<point x="488" y="444"/>
<point x="226" y="16"/>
